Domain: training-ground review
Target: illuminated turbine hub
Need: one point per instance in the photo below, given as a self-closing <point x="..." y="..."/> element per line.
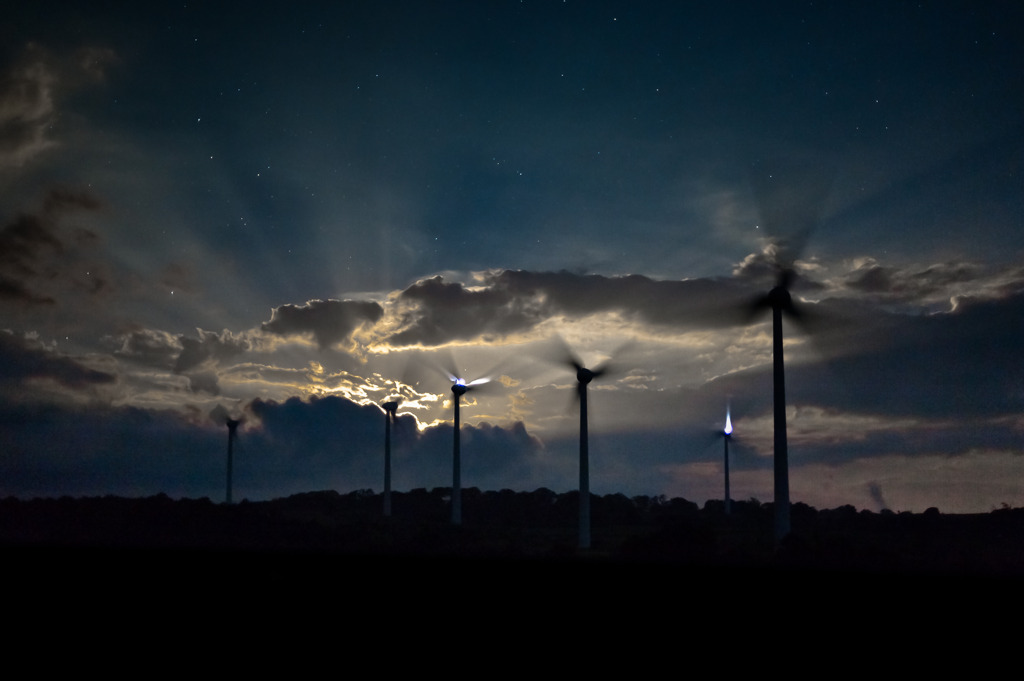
<point x="459" y="388"/>
<point x="728" y="424"/>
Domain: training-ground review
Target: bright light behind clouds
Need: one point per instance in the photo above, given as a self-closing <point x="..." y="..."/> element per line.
<point x="196" y="223"/>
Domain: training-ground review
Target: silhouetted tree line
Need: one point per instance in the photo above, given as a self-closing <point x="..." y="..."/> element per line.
<point x="530" y="525"/>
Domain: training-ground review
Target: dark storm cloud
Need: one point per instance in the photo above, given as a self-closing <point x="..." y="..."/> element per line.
<point x="204" y="381"/>
<point x="436" y="312"/>
<point x="196" y="358"/>
<point x="282" y="448"/>
<point x="689" y="303"/>
<point x="35" y="250"/>
<point x="913" y="283"/>
<point x="319" y="431"/>
<point x="23" y="244"/>
<point x="52" y="451"/>
<point x="150" y="347"/>
<point x="22" y="360"/>
<point x="965" y="363"/>
<point x="200" y="356"/>
<point x="327" y="321"/>
<point x="962" y="365"/>
<point x="344" y="442"/>
<point x="209" y="347"/>
<point x="493" y="457"/>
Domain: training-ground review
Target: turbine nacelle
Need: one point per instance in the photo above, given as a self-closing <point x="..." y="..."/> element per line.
<point x="780" y="299"/>
<point x="460" y="387"/>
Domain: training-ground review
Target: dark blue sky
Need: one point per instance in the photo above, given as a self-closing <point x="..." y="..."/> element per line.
<point x="179" y="182"/>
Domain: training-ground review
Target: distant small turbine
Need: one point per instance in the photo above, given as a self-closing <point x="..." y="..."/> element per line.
<point x="726" y="436"/>
<point x="232" y="434"/>
<point x="389" y="415"/>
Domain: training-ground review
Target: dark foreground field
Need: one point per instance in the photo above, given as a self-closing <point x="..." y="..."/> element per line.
<point x="532" y="531"/>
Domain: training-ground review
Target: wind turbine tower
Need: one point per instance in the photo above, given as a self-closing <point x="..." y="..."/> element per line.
<point x="583" y="378"/>
<point x="232" y="434"/>
<point x="780" y="301"/>
<point x="726" y="436"/>
<point x="389" y="416"/>
<point x="458" y="390"/>
<point x="790" y="199"/>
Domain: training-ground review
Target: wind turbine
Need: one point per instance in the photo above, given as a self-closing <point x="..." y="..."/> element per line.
<point x="789" y="203"/>
<point x="459" y="388"/>
<point x="726" y="436"/>
<point x="583" y="378"/>
<point x="232" y="425"/>
<point x="389" y="416"/>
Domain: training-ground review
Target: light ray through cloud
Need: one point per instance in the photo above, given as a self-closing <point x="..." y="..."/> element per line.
<point x="189" y="222"/>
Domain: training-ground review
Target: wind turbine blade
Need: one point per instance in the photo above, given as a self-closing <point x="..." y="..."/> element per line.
<point x="614" y="364"/>
<point x="446" y="361"/>
<point x="753" y="309"/>
<point x="484" y="386"/>
<point x="557" y="351"/>
<point x="790" y="193"/>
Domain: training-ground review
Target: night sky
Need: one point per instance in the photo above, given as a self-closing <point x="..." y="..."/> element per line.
<point x="291" y="213"/>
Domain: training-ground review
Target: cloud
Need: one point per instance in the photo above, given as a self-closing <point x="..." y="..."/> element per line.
<point x="282" y="448"/>
<point x="37" y="252"/>
<point x="199" y="359"/>
<point x="344" y="441"/>
<point x="27" y="109"/>
<point x="209" y="347"/>
<point x="938" y="281"/>
<point x="24" y="361"/>
<point x="941" y="382"/>
<point x="329" y="322"/>
<point x="963" y="363"/>
<point x="29" y="91"/>
<point x="52" y="451"/>
<point x="150" y="347"/>
<point x="434" y="312"/>
<point x="504" y="303"/>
